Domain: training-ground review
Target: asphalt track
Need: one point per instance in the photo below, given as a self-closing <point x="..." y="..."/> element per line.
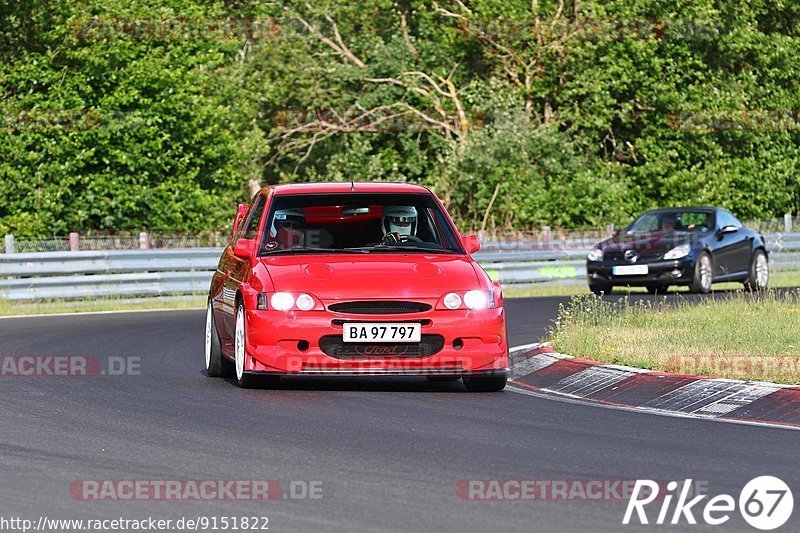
<point x="389" y="452"/>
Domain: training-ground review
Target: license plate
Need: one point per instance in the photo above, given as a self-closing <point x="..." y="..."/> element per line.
<point x="630" y="270"/>
<point x="382" y="332"/>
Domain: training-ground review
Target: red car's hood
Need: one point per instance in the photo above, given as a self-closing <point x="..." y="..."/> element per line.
<point x="347" y="276"/>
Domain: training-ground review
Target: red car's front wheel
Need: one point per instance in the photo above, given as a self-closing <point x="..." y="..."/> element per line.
<point x="243" y="378"/>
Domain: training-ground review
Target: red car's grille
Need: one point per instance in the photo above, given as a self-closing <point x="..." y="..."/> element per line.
<point x="424" y="322"/>
<point x="334" y="346"/>
<point x="379" y="307"/>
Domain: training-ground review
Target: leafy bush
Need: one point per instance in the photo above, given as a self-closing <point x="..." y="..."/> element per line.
<point x="575" y="130"/>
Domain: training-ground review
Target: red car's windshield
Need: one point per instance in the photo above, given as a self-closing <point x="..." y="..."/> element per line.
<point x="357" y="223"/>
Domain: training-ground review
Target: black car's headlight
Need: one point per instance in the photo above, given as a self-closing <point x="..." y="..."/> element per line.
<point x="679" y="252"/>
<point x="595" y="255"/>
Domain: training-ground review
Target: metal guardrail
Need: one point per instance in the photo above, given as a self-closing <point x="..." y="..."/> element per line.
<point x="106" y="273"/>
<point x="83" y="274"/>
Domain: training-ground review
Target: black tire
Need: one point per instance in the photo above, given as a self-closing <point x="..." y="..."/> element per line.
<point x="485" y="383"/>
<point x="758" y="279"/>
<point x="657" y="289"/>
<point x="703" y="275"/>
<point x="443" y="378"/>
<point x="244" y="379"/>
<point x="601" y="288"/>
<point x="216" y="365"/>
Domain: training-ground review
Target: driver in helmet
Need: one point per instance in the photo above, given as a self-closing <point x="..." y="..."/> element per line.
<point x="400" y="219"/>
<point x="286" y="229"/>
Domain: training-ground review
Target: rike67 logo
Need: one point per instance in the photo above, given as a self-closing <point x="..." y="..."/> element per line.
<point x="765" y="503"/>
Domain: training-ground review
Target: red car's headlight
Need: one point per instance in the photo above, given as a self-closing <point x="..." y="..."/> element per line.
<point x="452" y="300"/>
<point x="477" y="299"/>
<point x="288" y="301"/>
<point x="282" y="301"/>
<point x="473" y="300"/>
<point x="305" y="302"/>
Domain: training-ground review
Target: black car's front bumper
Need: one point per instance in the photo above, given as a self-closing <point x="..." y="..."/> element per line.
<point x="673" y="272"/>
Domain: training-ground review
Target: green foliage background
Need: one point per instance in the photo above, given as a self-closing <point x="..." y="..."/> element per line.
<point x="581" y="136"/>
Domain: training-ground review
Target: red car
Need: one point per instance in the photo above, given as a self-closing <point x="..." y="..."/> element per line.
<point x="344" y="279"/>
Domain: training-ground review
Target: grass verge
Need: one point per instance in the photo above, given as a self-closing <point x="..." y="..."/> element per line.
<point x="47" y="307"/>
<point x="741" y="336"/>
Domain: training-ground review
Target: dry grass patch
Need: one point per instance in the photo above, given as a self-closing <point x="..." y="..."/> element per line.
<point x="740" y="336"/>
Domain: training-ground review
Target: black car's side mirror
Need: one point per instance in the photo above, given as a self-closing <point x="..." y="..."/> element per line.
<point x="728" y="229"/>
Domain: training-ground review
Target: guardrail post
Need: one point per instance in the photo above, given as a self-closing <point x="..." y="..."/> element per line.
<point x="546" y="237"/>
<point x="787" y="223"/>
<point x="144" y="240"/>
<point x="9" y="244"/>
<point x="74" y="241"/>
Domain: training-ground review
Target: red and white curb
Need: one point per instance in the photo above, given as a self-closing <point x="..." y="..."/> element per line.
<point x="538" y="367"/>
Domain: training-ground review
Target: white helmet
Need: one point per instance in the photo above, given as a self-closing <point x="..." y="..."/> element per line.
<point x="287" y="218"/>
<point x="399" y="218"/>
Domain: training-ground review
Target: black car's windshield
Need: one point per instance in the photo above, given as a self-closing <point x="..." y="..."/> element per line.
<point x="670" y="221"/>
<point x="357" y="223"/>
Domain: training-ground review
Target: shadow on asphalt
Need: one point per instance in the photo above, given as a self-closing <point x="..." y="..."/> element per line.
<point x="364" y="384"/>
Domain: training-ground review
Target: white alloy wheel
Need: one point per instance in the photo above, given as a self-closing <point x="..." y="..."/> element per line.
<point x="239" y="343"/>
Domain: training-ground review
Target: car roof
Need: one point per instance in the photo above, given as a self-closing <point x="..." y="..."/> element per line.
<point x="346" y="187"/>
<point x="689" y="208"/>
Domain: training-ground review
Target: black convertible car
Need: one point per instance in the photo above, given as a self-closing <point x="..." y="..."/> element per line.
<point x="694" y="246"/>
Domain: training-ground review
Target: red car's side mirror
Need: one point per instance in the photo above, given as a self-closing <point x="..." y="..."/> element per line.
<point x="237" y="220"/>
<point x="471" y="243"/>
<point x="243" y="248"/>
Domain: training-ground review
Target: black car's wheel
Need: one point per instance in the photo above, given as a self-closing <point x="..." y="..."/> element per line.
<point x="657" y="289"/>
<point x="601" y="288"/>
<point x="703" y="275"/>
<point x="244" y="379"/>
<point x="485" y="383"/>
<point x="759" y="272"/>
<point x="216" y="365"/>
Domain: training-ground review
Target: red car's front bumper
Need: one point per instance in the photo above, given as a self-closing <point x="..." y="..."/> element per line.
<point x="473" y="343"/>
